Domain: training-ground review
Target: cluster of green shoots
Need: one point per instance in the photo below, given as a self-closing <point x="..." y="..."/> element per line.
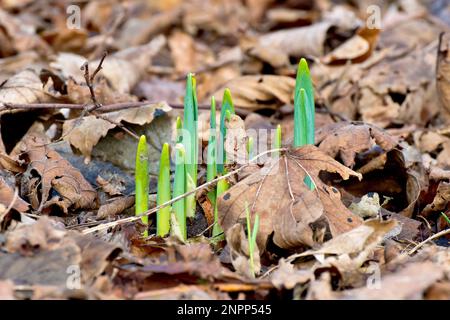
<point x="172" y="219"/>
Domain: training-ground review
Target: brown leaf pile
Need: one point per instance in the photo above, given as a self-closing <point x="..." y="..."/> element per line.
<point x="74" y="100"/>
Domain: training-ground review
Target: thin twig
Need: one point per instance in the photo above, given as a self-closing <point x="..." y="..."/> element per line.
<point x="435" y="236"/>
<point x="203" y="186"/>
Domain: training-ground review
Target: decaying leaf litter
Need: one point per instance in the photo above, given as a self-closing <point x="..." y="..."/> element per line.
<point x="373" y="225"/>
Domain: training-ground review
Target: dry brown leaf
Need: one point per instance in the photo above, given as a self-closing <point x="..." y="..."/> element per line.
<point x="409" y="283"/>
<point x="115" y="207"/>
<point x="24" y="87"/>
<point x="440" y="200"/>
<point x="122" y="69"/>
<point x="356" y="49"/>
<point x="48" y="171"/>
<point x="187" y="54"/>
<point x="287" y="276"/>
<point x="296" y="42"/>
<point x="7" y="197"/>
<point x="346" y="140"/>
<point x="260" y="92"/>
<point x="18" y="35"/>
<point x="279" y="196"/>
<point x="356" y="241"/>
<point x="45" y="253"/>
<point x="443" y="71"/>
<point x="85" y="135"/>
<point x="240" y="251"/>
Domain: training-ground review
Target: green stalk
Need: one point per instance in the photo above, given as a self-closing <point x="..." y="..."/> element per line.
<point x="227" y="106"/>
<point x="251" y="236"/>
<point x="163" y="214"/>
<point x="250" y="147"/>
<point x="179" y="132"/>
<point x="141" y="180"/>
<point x="211" y="168"/>
<point x="447" y="219"/>
<point x="276" y="144"/>
<point x="191" y="142"/>
<point x="222" y="186"/>
<point x="179" y="188"/>
<point x="304" y="110"/>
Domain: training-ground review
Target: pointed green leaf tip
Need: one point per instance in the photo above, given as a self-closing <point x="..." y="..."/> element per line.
<point x="225" y="112"/>
<point x="163" y="195"/>
<point x="303" y="81"/>
<point x="142" y="179"/>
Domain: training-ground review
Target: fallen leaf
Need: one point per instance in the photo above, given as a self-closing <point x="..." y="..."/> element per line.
<point x="286" y="206"/>
<point x="43" y="253"/>
<point x="24" y="87"/>
<point x="287" y="276"/>
<point x="409" y="283"/>
<point x="240" y="251"/>
<point x="348" y="140"/>
<point x="85" y="135"/>
<point x="260" y="92"/>
<point x="48" y="170"/>
<point x="443" y="71"/>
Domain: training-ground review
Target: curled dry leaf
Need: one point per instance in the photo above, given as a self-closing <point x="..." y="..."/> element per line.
<point x="115" y="207"/>
<point x="346" y="140"/>
<point x="285" y="204"/>
<point x="47" y="171"/>
<point x="260" y="92"/>
<point x="240" y="251"/>
<point x="441" y="199"/>
<point x="356" y="49"/>
<point x="85" y="135"/>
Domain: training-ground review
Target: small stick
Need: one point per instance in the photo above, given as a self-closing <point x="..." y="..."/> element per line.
<point x="435" y="236"/>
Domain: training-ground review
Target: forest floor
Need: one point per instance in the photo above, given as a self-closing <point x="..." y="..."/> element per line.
<point x="376" y="225"/>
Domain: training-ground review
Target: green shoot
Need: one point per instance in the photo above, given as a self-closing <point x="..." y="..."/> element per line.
<point x="304" y="110"/>
<point x="446" y="218"/>
<point x="222" y="186"/>
<point x="179" y="132"/>
<point x="211" y="169"/>
<point x="163" y="195"/>
<point x="227" y="107"/>
<point x="191" y="142"/>
<point x="276" y="144"/>
<point x="251" y="236"/>
<point x="179" y="188"/>
<point x="141" y="180"/>
<point x="250" y="147"/>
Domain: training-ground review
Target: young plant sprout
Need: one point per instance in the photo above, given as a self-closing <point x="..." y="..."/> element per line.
<point x="179" y="188"/>
<point x="163" y="195"/>
<point x="190" y="142"/>
<point x="304" y="111"/>
<point x="276" y="144"/>
<point x="141" y="180"/>
<point x="211" y="165"/>
<point x="447" y="219"/>
<point x="227" y="107"/>
<point x="251" y="236"/>
<point x="250" y="148"/>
